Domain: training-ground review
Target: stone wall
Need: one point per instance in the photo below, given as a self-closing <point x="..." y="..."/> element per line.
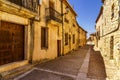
<point x="110" y="38"/>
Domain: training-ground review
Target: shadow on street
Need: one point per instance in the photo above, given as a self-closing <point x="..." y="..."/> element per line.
<point x="96" y="68"/>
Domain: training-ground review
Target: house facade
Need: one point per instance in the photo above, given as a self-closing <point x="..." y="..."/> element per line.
<point x="48" y="33"/>
<point x="99" y="28"/>
<point x="36" y="30"/>
<point x="16" y="23"/>
<point x="107" y="27"/>
<point x="57" y="33"/>
<point x="82" y="37"/>
<point x="70" y="29"/>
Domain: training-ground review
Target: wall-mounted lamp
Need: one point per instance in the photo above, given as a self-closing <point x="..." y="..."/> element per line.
<point x="67" y="10"/>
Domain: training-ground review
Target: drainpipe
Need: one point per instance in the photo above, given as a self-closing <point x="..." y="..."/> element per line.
<point x="31" y="40"/>
<point x="62" y="27"/>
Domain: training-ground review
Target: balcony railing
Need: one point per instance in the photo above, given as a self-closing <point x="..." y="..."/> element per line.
<point x="52" y="14"/>
<point x="28" y="4"/>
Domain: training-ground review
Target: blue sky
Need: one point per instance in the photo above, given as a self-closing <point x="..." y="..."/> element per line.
<point x="87" y="11"/>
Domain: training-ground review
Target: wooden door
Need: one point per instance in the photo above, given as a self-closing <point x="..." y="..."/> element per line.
<point x="59" y="47"/>
<point x="11" y="42"/>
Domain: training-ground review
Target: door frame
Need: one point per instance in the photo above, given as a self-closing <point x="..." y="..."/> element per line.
<point x="25" y="40"/>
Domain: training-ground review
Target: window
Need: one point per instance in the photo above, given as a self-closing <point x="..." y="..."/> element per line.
<point x="111" y="46"/>
<point x="119" y="13"/>
<point x="44" y="37"/>
<point x="73" y="39"/>
<point x="73" y="25"/>
<point x="112" y="15"/>
<point x="66" y="38"/>
<point x="66" y="20"/>
<point x="52" y="7"/>
<point x="105" y="21"/>
<point x="98" y="35"/>
<point x="51" y="4"/>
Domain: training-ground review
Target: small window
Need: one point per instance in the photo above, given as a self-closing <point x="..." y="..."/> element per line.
<point x="73" y="39"/>
<point x="112" y="15"/>
<point x="119" y="13"/>
<point x="51" y="5"/>
<point x="66" y="20"/>
<point x="44" y="37"/>
<point x="111" y="46"/>
<point x="66" y="38"/>
<point x="73" y="25"/>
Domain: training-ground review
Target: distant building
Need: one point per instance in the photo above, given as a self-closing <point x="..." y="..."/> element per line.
<point x="82" y="37"/>
<point x="91" y="39"/>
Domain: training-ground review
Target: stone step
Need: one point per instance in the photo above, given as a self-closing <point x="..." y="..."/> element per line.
<point x="8" y="75"/>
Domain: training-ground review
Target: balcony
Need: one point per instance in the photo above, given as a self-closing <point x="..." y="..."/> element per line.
<point x="24" y="8"/>
<point x="28" y="4"/>
<point x="52" y="14"/>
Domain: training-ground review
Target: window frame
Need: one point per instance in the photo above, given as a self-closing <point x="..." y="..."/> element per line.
<point x="73" y="38"/>
<point x="66" y="38"/>
<point x="44" y="41"/>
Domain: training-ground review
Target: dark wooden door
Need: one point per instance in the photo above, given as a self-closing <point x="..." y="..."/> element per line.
<point x="11" y="42"/>
<point x="59" y="47"/>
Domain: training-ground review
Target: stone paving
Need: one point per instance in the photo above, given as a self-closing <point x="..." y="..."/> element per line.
<point x="73" y="66"/>
<point x="69" y="64"/>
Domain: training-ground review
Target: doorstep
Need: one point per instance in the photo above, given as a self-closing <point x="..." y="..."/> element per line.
<point x="10" y="66"/>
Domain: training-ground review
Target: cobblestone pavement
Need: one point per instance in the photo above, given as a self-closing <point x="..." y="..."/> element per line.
<point x="96" y="68"/>
<point x="63" y="68"/>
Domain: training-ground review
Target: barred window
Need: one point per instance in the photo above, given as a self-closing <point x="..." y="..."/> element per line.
<point x="112" y="15"/>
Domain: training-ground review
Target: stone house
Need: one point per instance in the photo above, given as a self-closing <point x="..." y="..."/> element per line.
<point x="82" y="37"/>
<point x="34" y="30"/>
<point x="48" y="33"/>
<point x="55" y="35"/>
<point x="69" y="29"/>
<point x="107" y="30"/>
<point x="16" y="23"/>
<point x="99" y="28"/>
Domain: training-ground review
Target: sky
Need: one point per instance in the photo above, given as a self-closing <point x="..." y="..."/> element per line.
<point x="87" y="11"/>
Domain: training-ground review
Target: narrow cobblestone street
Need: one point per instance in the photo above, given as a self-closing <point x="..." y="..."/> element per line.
<point x="83" y="64"/>
<point x="59" y="40"/>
